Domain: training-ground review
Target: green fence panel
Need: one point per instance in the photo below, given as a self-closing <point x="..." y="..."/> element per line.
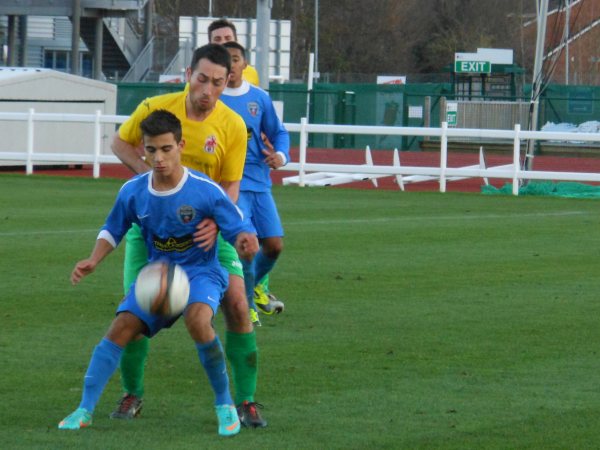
<point x="129" y="95"/>
<point x="380" y="104"/>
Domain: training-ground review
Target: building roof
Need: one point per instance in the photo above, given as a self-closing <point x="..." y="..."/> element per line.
<point x="21" y="83"/>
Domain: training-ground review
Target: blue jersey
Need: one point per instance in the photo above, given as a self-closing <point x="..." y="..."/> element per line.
<point x="256" y="108"/>
<point x="168" y="219"/>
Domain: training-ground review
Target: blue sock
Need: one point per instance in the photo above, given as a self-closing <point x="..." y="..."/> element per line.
<point x="249" y="282"/>
<point x="103" y="364"/>
<point x="262" y="265"/>
<point x="213" y="360"/>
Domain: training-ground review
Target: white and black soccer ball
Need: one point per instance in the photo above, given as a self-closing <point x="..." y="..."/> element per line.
<point x="162" y="288"/>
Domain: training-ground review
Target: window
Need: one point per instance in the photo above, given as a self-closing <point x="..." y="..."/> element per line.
<point x="61" y="60"/>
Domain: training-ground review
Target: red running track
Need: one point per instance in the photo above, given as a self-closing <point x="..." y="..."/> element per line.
<point x="380" y="157"/>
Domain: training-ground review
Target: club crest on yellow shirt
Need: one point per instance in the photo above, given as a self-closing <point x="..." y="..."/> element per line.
<point x="210" y="145"/>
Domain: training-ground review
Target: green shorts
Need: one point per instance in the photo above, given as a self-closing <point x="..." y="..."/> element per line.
<point x="136" y="257"/>
<point x="229" y="259"/>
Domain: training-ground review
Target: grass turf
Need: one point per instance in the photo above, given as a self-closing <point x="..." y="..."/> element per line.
<point x="413" y="320"/>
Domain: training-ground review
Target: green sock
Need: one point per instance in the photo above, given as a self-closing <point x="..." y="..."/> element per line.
<point x="264" y="282"/>
<point x="242" y="354"/>
<point x="133" y="363"/>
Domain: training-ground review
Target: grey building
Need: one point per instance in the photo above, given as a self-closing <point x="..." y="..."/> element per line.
<point x="101" y="39"/>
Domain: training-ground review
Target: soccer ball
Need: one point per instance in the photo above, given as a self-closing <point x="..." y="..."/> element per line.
<point x="162" y="288"/>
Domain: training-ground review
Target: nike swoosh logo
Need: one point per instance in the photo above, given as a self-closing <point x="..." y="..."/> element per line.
<point x="143" y="217"/>
<point x="233" y="426"/>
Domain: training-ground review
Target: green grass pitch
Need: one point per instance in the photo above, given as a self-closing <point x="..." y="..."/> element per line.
<point x="413" y="320"/>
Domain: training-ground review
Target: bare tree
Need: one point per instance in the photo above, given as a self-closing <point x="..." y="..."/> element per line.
<point x="382" y="36"/>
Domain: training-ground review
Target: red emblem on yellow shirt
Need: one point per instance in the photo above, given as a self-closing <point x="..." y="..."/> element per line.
<point x="210" y="145"/>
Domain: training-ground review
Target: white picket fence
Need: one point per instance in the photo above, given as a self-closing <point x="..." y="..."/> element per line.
<point x="513" y="172"/>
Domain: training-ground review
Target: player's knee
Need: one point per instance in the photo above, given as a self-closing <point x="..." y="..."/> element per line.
<point x="235" y="304"/>
<point x="124" y="328"/>
<point x="272" y="247"/>
<point x="235" y="310"/>
<point x="198" y="321"/>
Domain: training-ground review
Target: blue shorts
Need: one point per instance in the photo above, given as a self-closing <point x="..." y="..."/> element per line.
<point x="203" y="289"/>
<point x="260" y="208"/>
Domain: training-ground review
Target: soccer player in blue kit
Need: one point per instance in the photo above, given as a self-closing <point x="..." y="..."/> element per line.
<point x="255" y="199"/>
<point x="168" y="203"/>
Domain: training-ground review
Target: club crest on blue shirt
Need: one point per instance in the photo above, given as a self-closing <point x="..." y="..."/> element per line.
<point x="186" y="213"/>
<point x="210" y="145"/>
<point x="253" y="108"/>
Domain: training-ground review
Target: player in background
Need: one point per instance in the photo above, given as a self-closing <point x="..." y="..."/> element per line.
<point x="216" y="146"/>
<point x="222" y="31"/>
<point x="255" y="199"/>
<point x="155" y="201"/>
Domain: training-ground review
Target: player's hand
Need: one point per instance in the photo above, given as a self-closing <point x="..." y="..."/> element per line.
<point x="273" y="159"/>
<point x="82" y="268"/>
<point x="246" y="245"/>
<point x="206" y="234"/>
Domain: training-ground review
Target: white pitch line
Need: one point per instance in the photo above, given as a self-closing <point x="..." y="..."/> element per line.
<point x="340" y="221"/>
<point x="46" y="232"/>
<point x="431" y="218"/>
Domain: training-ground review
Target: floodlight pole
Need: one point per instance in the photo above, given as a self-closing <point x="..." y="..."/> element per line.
<point x="536" y="85"/>
<point x="567" y="26"/>
<point x="75" y="35"/>
<point x="263" y="26"/>
<point x="317" y="36"/>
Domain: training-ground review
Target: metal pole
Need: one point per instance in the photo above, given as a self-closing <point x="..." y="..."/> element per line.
<point x="194" y="32"/>
<point x="536" y="85"/>
<point x="98" y="36"/>
<point x="23" y="36"/>
<point x="148" y="21"/>
<point x="316" y="37"/>
<point x="76" y="26"/>
<point x="12" y="41"/>
<point x="567" y="25"/>
<point x="263" y="24"/>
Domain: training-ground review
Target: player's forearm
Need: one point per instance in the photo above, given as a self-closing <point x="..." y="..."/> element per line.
<point x="246" y="245"/>
<point x="101" y="250"/>
<point x="129" y="155"/>
<point x="232" y="189"/>
<point x="282" y="145"/>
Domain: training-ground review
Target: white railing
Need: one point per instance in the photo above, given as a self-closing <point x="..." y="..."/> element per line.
<point x="29" y="156"/>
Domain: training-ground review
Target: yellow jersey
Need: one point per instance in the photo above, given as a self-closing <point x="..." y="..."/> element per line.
<point x="215" y="146"/>
<point x="251" y="75"/>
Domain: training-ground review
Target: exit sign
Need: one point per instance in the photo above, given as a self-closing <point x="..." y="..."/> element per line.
<point x="472" y="67"/>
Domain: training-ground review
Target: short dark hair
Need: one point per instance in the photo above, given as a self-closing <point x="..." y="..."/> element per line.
<point x="221" y="23"/>
<point x="215" y="53"/>
<point x="233" y="44"/>
<point x="160" y="122"/>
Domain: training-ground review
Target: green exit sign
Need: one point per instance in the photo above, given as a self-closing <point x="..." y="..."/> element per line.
<point x="472" y="67"/>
